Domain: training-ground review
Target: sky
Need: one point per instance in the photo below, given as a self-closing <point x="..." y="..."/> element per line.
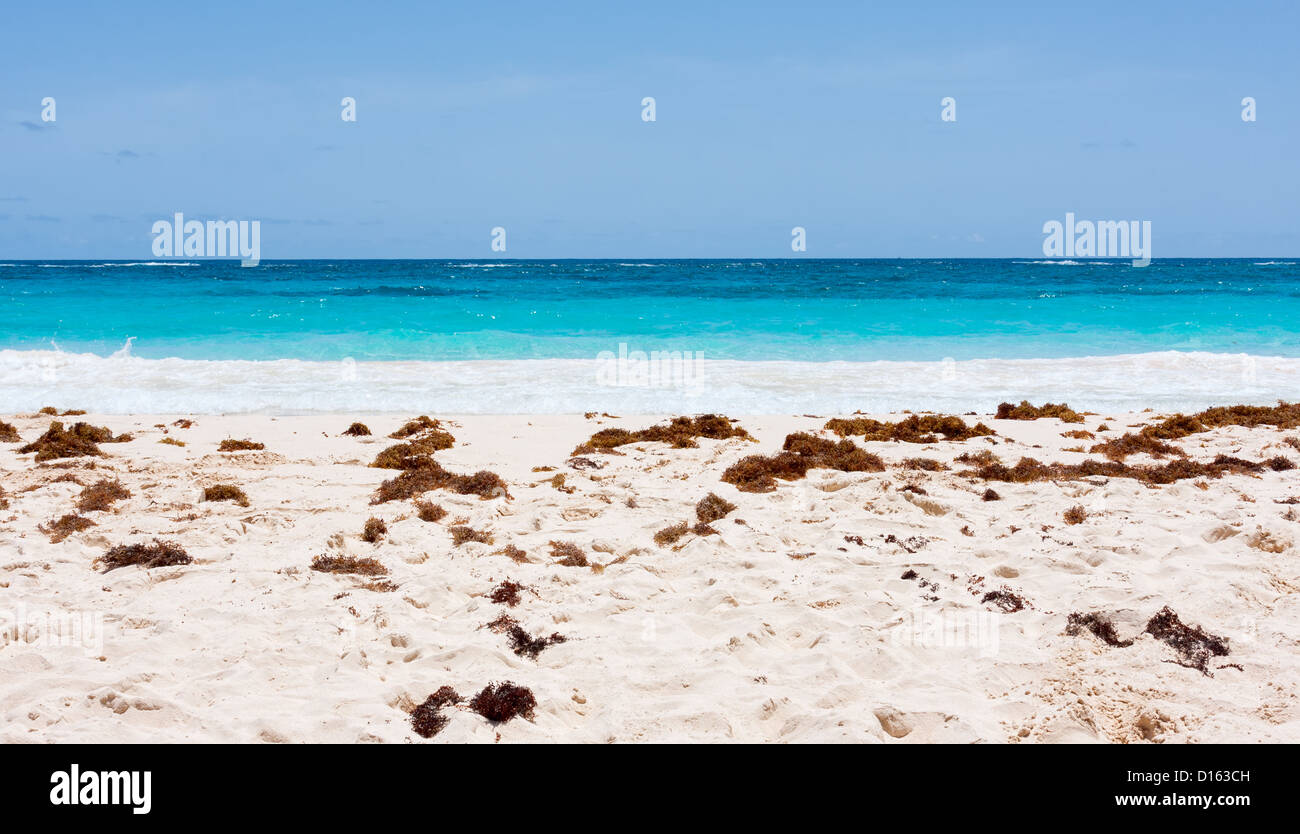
<point x="769" y="116"/>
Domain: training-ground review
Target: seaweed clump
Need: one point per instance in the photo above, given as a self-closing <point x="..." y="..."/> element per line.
<point x="427" y="719"/>
<point x="800" y="453"/>
<point x="159" y="554"/>
<point x="711" y="508"/>
<point x="1118" y="448"/>
<point x="500" y="702"/>
<point x="427" y="430"/>
<point x="569" y="555"/>
<point x="671" y="533"/>
<point x="430" y="475"/>
<point x="82" y="440"/>
<point x="374" y="530"/>
<point x="65" y="526"/>
<point x="9" y="434"/>
<point x="349" y="564"/>
<point x="525" y="645"/>
<point x="357" y="430"/>
<point x="507" y="593"/>
<point x="1102" y="628"/>
<point x="928" y="428"/>
<point x="1029" y="470"/>
<point x="1006" y="599"/>
<point x="1284" y="415"/>
<point x="1027" y="411"/>
<point x="423" y="437"/>
<point x="428" y="511"/>
<point x="1075" y="515"/>
<point x="225" y="492"/>
<point x="100" y="496"/>
<point x="232" y="445"/>
<point x="680" y="433"/>
<point x="515" y="554"/>
<point x="1194" y="645"/>
<point x="461" y="534"/>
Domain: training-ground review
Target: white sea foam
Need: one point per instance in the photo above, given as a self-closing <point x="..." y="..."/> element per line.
<point x="123" y="383"/>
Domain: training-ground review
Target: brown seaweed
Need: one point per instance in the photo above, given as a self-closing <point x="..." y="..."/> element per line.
<point x="500" y="702"/>
<point x="800" y="453"/>
<point x="680" y="433"/>
<point x="158" y="554"/>
<point x="917" y="428"/>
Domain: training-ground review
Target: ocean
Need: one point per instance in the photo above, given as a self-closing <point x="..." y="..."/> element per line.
<point x="652" y="336"/>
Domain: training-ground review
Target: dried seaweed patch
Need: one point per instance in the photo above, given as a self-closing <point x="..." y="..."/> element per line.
<point x="671" y="533"/>
<point x="1029" y="470"/>
<point x="917" y="428"/>
<point x="461" y="533"/>
<point x="230" y="444"/>
<point x="1284" y="415"/>
<point x="357" y="430"/>
<point x="507" y="593"/>
<point x="513" y="553"/>
<point x="1006" y="599"/>
<point x="1027" y="411"/>
<point x="500" y="702"/>
<point x="430" y="476"/>
<point x="800" y="453"/>
<point x="1194" y="645"/>
<point x="100" y="496"/>
<point x="427" y="719"/>
<point x="65" y="526"/>
<point x="157" y="554"/>
<point x="1102" y="628"/>
<point x="680" y="433"/>
<point x="374" y="530"/>
<point x="1118" y="448"/>
<point x="82" y="440"/>
<point x="225" y="492"/>
<point x="711" y="508"/>
<point x="349" y="564"/>
<point x="569" y="555"/>
<point x="525" y="645"/>
<point x="428" y="511"/>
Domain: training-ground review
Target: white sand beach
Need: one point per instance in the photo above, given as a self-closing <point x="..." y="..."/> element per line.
<point x="790" y="621"/>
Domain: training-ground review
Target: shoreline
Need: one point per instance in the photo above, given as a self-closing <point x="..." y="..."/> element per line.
<point x="845" y="605"/>
<point x="680" y="383"/>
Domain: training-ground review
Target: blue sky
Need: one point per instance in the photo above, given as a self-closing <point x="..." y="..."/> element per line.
<point x="769" y="116"/>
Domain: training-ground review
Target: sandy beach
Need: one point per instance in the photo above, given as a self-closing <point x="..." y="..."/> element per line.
<point x="895" y="606"/>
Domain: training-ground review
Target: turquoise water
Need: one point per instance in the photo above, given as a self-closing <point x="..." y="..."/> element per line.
<point x="805" y="310"/>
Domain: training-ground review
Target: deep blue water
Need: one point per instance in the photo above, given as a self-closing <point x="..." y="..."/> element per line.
<point x="814" y="310"/>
